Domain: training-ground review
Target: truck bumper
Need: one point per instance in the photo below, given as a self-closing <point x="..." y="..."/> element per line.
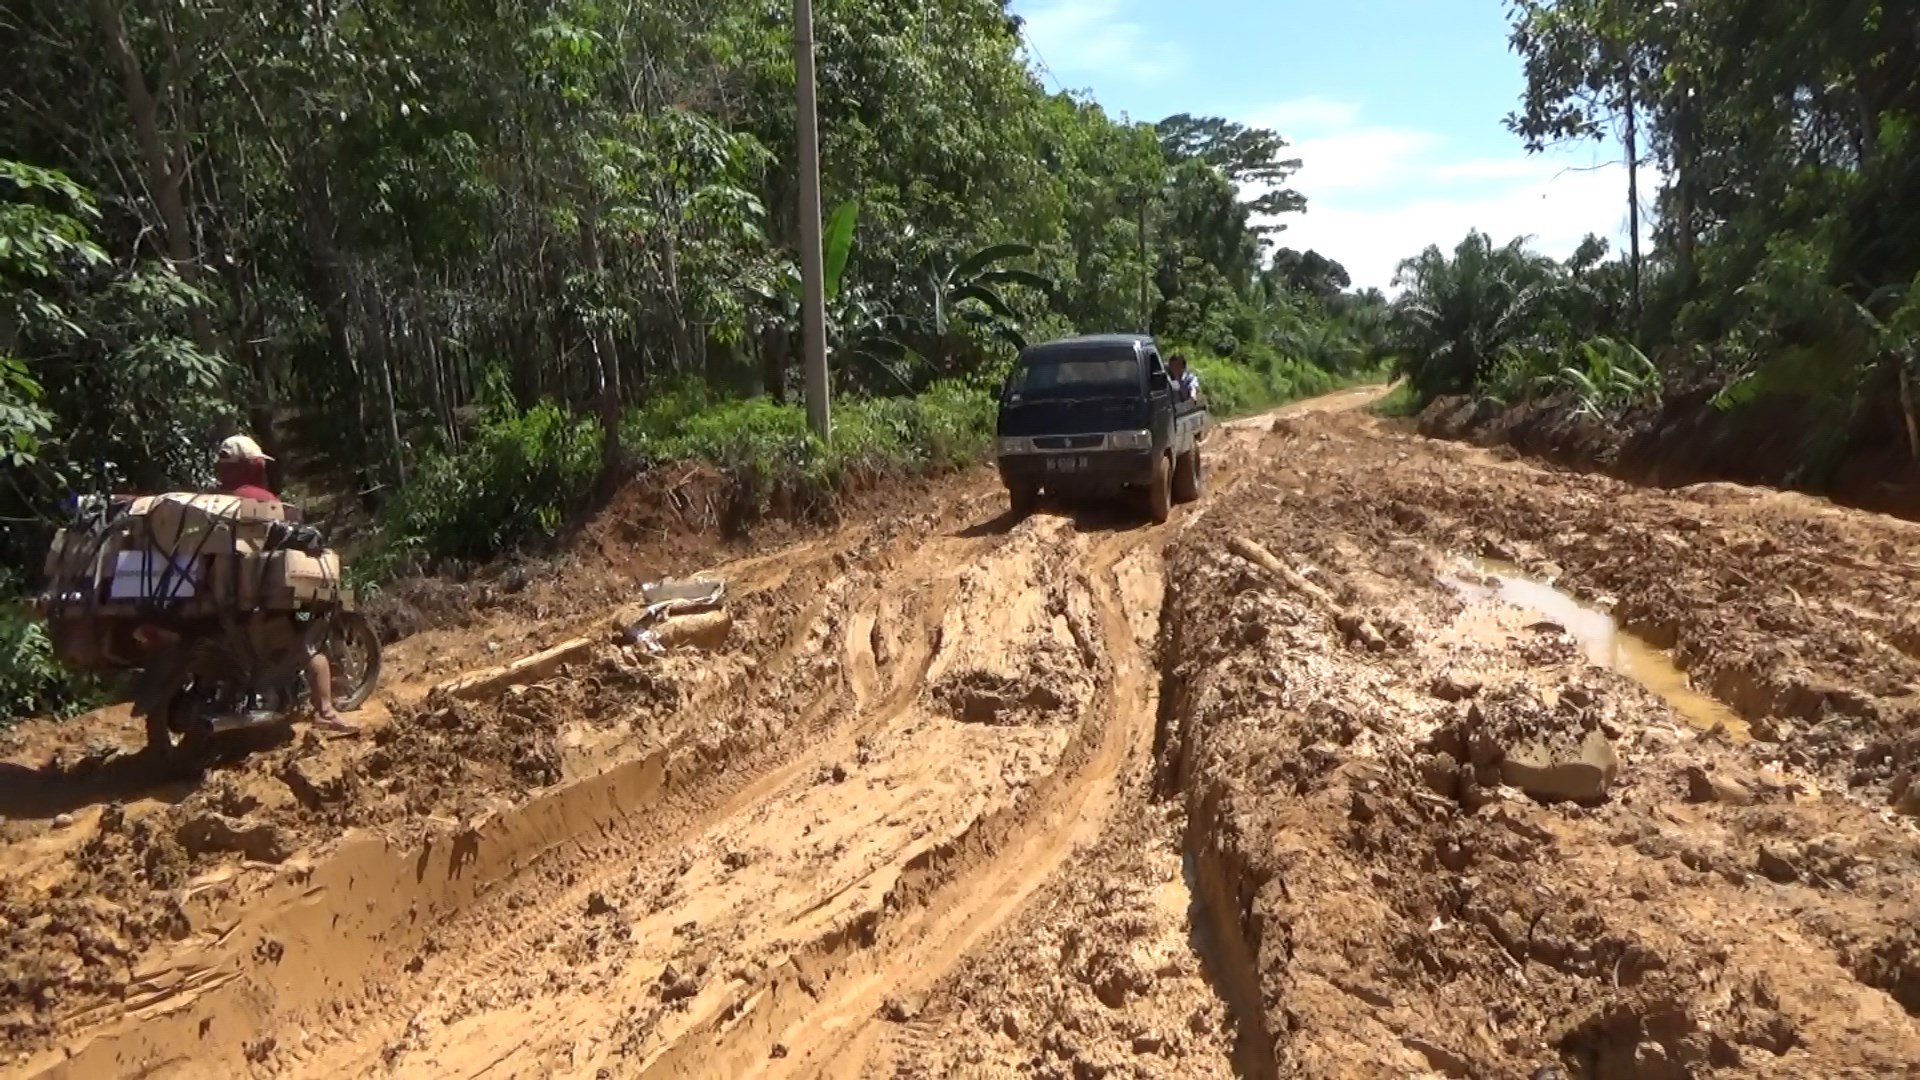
<point x="1090" y="472"/>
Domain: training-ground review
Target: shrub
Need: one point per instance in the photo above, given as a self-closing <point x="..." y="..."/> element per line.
<point x="1256" y="378"/>
<point x="516" y="481"/>
<point x="525" y="473"/>
<point x="32" y="683"/>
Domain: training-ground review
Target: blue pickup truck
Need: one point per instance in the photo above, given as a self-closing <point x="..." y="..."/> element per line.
<point x="1097" y="416"/>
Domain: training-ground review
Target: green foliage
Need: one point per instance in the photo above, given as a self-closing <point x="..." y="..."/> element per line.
<point x="29" y="678"/>
<point x="1255" y="379"/>
<point x="836" y="244"/>
<point x="525" y="472"/>
<point x="1248" y="157"/>
<point x="1461" y="316"/>
<point x="1606" y="376"/>
<point x="514" y="482"/>
<point x="1787" y="221"/>
<point x="1401" y="401"/>
<point x="31" y="682"/>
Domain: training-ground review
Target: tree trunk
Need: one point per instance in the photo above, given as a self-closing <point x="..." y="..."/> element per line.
<point x="381" y="343"/>
<point x="676" y="311"/>
<point x="1633" y="196"/>
<point x="1904" y="377"/>
<point x="1684" y="180"/>
<point x="164" y="175"/>
<point x="775" y="342"/>
<point x="327" y="288"/>
<point x="606" y="357"/>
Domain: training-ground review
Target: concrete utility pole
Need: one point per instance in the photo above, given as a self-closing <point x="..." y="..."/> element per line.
<point x="813" y="306"/>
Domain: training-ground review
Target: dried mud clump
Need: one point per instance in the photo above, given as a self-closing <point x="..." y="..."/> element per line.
<point x="1103" y="982"/>
<point x="987" y="697"/>
<point x="81" y="940"/>
<point x="1893" y="964"/>
<point x="1553" y="754"/>
<point x="1032" y="660"/>
<point x="451" y="756"/>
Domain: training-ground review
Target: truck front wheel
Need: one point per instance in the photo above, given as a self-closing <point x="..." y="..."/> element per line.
<point x="1022" y="498"/>
<point x="1187" y="476"/>
<point x="1160" y="491"/>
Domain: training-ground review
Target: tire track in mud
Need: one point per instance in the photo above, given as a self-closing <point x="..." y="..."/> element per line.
<point x="838" y="921"/>
<point x="844" y="1033"/>
<point x="835" y="1034"/>
<point x="800" y="989"/>
<point x="377" y="982"/>
<point x="373" y="931"/>
<point x="534" y="909"/>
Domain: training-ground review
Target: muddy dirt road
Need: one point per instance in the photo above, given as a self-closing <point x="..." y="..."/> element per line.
<point x="1388" y="758"/>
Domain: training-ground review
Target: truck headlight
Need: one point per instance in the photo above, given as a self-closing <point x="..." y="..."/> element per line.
<point x="1013" y="444"/>
<point x="1131" y="440"/>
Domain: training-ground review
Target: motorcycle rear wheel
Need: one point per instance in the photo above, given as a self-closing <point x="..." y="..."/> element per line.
<point x="353" y="653"/>
<point x="180" y="731"/>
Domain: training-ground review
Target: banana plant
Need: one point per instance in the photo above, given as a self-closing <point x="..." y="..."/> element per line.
<point x="836" y="243"/>
<point x="969" y="294"/>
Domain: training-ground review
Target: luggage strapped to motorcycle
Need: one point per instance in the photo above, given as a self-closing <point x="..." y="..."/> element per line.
<point x="280" y="568"/>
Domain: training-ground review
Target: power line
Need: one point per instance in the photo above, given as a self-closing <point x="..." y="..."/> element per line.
<point x="1041" y="61"/>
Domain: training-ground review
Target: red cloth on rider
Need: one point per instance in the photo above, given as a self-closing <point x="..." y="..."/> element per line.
<point x="247" y="479"/>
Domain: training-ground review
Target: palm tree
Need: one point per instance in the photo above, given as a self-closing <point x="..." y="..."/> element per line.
<point x="1457" y="314"/>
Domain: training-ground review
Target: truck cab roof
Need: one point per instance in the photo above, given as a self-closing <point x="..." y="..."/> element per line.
<point x="1091" y="341"/>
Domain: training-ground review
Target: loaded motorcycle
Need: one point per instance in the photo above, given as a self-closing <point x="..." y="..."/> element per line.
<point x="215" y="601"/>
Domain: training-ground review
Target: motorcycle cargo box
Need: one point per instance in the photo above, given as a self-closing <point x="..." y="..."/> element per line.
<point x="307" y="577"/>
<point x="65" y="554"/>
<point x="193" y="524"/>
<point x="274" y="580"/>
<point x="103" y="643"/>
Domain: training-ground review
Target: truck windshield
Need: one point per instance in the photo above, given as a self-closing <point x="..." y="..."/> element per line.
<point x="1077" y="373"/>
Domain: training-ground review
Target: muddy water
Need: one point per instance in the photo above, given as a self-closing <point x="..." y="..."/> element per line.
<point x="1605" y="643"/>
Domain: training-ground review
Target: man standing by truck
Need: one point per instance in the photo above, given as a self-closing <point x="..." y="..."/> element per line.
<point x="1186" y="385"/>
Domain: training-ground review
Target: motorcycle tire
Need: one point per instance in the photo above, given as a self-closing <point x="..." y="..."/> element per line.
<point x="179" y="732"/>
<point x="352" y="630"/>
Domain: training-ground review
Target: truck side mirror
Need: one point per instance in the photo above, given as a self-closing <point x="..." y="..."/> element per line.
<point x="1159" y="383"/>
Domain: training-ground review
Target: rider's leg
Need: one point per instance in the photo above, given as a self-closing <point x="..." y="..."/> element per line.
<point x="320" y="691"/>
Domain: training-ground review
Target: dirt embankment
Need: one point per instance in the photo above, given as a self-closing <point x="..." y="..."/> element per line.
<point x="1453" y="845"/>
<point x="1686" y="439"/>
<point x="669" y="520"/>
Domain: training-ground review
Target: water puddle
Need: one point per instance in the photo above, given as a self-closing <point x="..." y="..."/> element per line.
<point x="1491" y="581"/>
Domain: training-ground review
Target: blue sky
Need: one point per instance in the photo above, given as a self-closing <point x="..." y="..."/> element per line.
<point x="1393" y="106"/>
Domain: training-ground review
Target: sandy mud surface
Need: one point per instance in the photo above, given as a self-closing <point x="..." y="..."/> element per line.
<point x="1388" y="757"/>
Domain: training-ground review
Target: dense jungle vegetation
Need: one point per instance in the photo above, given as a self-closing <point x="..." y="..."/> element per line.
<point x="462" y="265"/>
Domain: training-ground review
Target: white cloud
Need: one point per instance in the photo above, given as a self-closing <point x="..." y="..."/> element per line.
<point x="1313" y="113"/>
<point x="1513" y="168"/>
<point x="1377" y="194"/>
<point x="1084" y="36"/>
<point x="1365" y="158"/>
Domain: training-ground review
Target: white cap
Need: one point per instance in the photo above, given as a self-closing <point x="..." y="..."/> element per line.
<point x="242" y="448"/>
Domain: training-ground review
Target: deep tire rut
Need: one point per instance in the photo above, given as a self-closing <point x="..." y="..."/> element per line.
<point x="523" y="919"/>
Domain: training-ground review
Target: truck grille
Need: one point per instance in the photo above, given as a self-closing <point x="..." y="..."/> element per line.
<point x="1069" y="442"/>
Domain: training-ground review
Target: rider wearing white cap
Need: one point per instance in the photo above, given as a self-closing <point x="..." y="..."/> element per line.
<point x="241" y="468"/>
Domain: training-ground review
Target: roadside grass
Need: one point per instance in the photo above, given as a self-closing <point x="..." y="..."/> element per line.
<point x="1399" y="402"/>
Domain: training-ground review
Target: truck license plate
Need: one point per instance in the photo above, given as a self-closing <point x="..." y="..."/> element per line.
<point x="1067" y="464"/>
